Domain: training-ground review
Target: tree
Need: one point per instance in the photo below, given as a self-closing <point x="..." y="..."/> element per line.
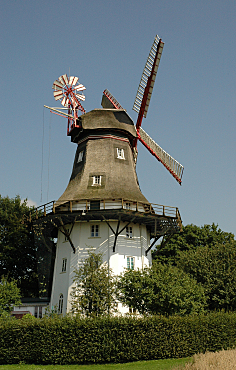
<point x="215" y="268"/>
<point x="94" y="291"/>
<point x="161" y="289"/>
<point x="134" y="289"/>
<point x="17" y="250"/>
<point x="9" y="295"/>
<point x="189" y="239"/>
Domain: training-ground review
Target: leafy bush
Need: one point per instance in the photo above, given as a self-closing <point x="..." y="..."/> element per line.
<point x="72" y="340"/>
<point x="17" y="250"/>
<point x="161" y="289"/>
<point x="94" y="290"/>
<point x="191" y="238"/>
<point x="215" y="268"/>
<point x="9" y="295"/>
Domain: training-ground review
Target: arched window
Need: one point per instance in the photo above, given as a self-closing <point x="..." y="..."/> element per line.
<point x="60" y="307"/>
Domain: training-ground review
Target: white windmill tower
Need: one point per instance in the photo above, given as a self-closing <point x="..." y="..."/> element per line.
<point x="103" y="207"/>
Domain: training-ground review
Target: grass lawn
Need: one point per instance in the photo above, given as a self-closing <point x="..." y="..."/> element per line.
<point x="144" y="365"/>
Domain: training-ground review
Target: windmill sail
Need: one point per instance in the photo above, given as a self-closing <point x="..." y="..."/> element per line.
<point x="174" y="167"/>
<point x="143" y="96"/>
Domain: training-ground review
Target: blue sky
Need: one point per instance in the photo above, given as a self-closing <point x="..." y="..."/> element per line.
<point x="192" y="112"/>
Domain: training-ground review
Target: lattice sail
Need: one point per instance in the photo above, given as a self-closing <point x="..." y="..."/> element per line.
<point x="151" y="67"/>
<point x="174" y="167"/>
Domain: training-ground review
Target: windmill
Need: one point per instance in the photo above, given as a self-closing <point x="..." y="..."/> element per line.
<point x="67" y="90"/>
<point x="103" y="207"/>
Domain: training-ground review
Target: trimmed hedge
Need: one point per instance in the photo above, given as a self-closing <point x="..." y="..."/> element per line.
<point x="79" y="341"/>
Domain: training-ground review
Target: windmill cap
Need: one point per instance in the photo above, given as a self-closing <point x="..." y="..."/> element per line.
<point x="116" y="119"/>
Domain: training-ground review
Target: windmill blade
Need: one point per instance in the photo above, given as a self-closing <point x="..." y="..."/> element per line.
<point x="80" y="87"/>
<point x="143" y="96"/>
<point x="65" y="101"/>
<point x="63" y="79"/>
<point x="174" y="167"/>
<point x="80" y="97"/>
<point x="58" y="94"/>
<point x="57" y="85"/>
<point x="73" y="80"/>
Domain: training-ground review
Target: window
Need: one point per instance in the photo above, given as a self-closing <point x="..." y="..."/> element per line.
<point x="60" y="306"/>
<point x="80" y="157"/>
<point x="38" y="312"/>
<point x="94" y="231"/>
<point x="129" y="232"/>
<point x="66" y="236"/>
<point x="64" y="263"/>
<point x="120" y="153"/>
<point x="130" y="263"/>
<point x="127" y="205"/>
<point x="97" y="180"/>
<point x="94" y="205"/>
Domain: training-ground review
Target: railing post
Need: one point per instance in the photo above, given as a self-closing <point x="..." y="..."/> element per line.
<point x="163" y="210"/>
<point x="137" y="206"/>
<point x="53" y="207"/>
<point x="122" y="202"/>
<point x="44" y="212"/>
<point x="71" y="206"/>
<point x="86" y="205"/>
<point x="36" y="214"/>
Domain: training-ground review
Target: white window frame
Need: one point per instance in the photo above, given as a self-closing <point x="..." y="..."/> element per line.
<point x="127" y="205"/>
<point x="120" y="153"/>
<point x="129" y="232"/>
<point x="60" y="304"/>
<point x="38" y="312"/>
<point x="130" y="262"/>
<point x="80" y="157"/>
<point x="97" y="180"/>
<point x="94" y="231"/>
<point x="64" y="265"/>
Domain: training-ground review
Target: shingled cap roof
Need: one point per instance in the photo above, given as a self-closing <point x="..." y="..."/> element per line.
<point x="105" y="119"/>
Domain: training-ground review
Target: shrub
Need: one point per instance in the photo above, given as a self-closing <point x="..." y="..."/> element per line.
<point x="72" y="340"/>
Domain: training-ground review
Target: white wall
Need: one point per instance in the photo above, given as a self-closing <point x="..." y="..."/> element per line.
<point x="83" y="242"/>
<point x="31" y="308"/>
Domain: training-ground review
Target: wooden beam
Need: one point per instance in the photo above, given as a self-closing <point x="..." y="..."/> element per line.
<point x="155" y="240"/>
<point x="116" y="235"/>
<point x="108" y="224"/>
<point x="67" y="234"/>
<point x="117" y="232"/>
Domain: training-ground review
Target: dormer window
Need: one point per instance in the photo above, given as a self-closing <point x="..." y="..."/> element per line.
<point x="97" y="180"/>
<point x="80" y="157"/>
<point x="120" y="153"/>
<point x="127" y="205"/>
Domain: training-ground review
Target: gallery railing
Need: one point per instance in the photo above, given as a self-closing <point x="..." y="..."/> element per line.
<point x="86" y="205"/>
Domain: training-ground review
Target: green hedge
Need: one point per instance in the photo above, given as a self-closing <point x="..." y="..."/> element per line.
<point x="74" y="340"/>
